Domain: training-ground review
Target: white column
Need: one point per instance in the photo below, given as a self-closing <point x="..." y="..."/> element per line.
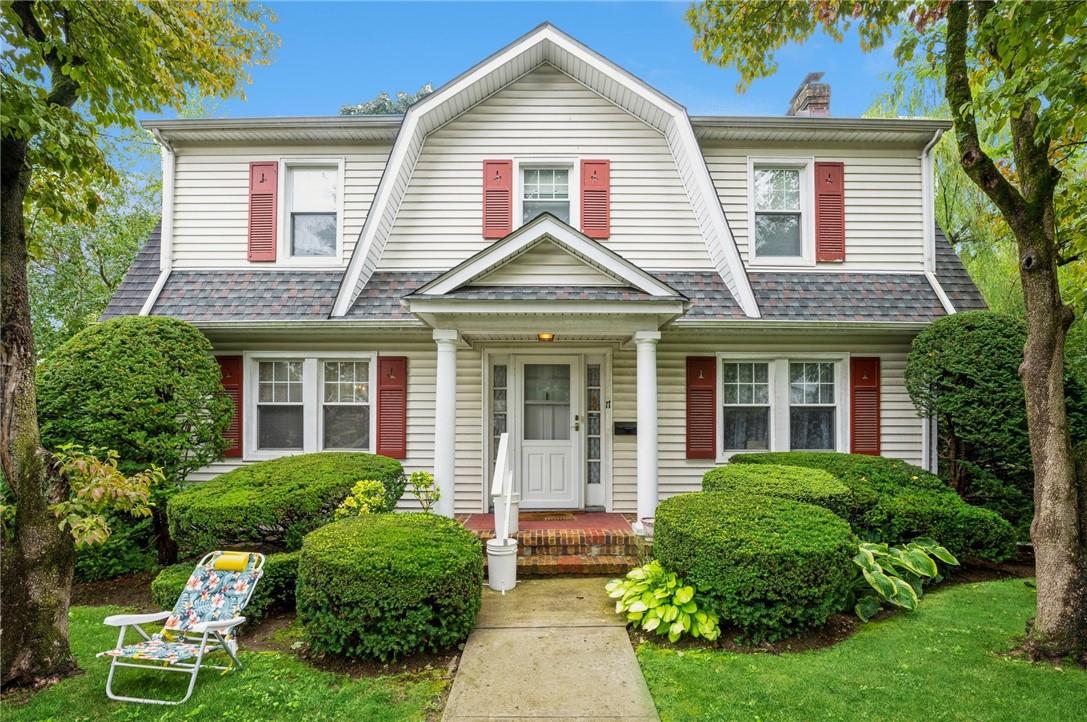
<point x="646" y="342"/>
<point x="445" y="419"/>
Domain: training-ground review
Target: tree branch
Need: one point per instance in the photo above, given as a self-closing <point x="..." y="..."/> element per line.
<point x="977" y="164"/>
<point x="64" y="90"/>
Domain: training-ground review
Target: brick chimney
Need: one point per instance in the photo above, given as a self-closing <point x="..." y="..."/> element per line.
<point x="811" y="99"/>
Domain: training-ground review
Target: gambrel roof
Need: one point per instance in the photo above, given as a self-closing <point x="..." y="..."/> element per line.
<point x="546" y="44"/>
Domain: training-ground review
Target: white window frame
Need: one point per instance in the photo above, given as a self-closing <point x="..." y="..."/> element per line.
<point x="806" y="166"/>
<point x="371" y="401"/>
<point x="779" y="397"/>
<point x="284" y="249"/>
<point x="312" y="400"/>
<point x="573" y="165"/>
<point x="836" y="405"/>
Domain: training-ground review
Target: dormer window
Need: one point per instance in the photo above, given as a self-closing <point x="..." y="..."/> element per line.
<point x="780" y="211"/>
<point x="311" y="203"/>
<point x="545" y="190"/>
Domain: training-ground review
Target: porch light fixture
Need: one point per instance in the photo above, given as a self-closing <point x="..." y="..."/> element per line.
<point x="545" y="337"/>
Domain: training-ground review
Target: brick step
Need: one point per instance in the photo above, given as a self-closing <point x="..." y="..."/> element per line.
<point x="572" y="542"/>
<point x="573" y="564"/>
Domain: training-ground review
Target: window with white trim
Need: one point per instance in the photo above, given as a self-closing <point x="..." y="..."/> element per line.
<point x="345" y="412"/>
<point x="545" y="189"/>
<point x="779" y="216"/>
<point x="312" y="206"/>
<point x="280" y="413"/>
<point x="812" y="405"/>
<point x="745" y="392"/>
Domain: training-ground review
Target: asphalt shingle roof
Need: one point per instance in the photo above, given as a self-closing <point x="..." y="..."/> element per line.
<point x="139" y="279"/>
<point x="248" y="295"/>
<point x="954" y="279"/>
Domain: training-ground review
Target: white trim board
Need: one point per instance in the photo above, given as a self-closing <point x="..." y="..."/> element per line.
<point x="547" y="44"/>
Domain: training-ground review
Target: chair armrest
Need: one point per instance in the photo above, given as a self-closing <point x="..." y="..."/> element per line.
<point x="216" y="625"/>
<point x="121" y="620"/>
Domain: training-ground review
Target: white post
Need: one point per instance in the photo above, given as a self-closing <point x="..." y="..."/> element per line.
<point x="646" y="342"/>
<point x="445" y="419"/>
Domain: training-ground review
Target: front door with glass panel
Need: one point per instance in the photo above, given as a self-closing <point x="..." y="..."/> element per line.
<point x="548" y="431"/>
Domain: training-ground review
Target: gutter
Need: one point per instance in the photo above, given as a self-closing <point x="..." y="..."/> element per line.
<point x="770" y="325"/>
<point x="166" y="230"/>
<point x="928" y="203"/>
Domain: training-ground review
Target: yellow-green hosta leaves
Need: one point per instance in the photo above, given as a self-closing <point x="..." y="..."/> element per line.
<point x="896" y="574"/>
<point x="656" y="600"/>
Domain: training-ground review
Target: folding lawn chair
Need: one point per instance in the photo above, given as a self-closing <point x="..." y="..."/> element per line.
<point x="202" y="622"/>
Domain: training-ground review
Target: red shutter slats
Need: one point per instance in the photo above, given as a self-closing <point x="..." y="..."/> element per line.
<point x="701" y="407"/>
<point x="596" y="198"/>
<point x="263" y="187"/>
<point x="392" y="406"/>
<point x="497" y="198"/>
<point x="864" y="405"/>
<point x="230" y="372"/>
<point x="829" y="212"/>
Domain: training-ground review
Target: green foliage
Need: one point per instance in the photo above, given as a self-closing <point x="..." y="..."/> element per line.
<point x="274" y="503"/>
<point x="143" y="385"/>
<point x="964" y="370"/>
<point x="798" y="483"/>
<point x="274" y="592"/>
<point x="366" y="497"/>
<point x="896" y="502"/>
<point x="387" y="585"/>
<point x="383" y="104"/>
<point x="770" y="566"/>
<point x="424" y="489"/>
<point x="654" y="599"/>
<point x="128" y="550"/>
<point x="897" y="575"/>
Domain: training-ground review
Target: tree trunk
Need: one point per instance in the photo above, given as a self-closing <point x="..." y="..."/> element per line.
<point x="39" y="563"/>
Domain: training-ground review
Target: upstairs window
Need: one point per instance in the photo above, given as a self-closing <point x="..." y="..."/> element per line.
<point x="545" y="190"/>
<point x="779" y="223"/>
<point x="312" y="209"/>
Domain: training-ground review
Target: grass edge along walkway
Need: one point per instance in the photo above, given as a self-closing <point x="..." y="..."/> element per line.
<point x="948" y="660"/>
<point x="273" y="686"/>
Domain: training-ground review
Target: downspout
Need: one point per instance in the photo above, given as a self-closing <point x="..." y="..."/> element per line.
<point x="928" y="221"/>
<point x="166" y="229"/>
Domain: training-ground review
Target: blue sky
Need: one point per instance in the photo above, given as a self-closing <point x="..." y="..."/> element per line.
<point x="334" y="53"/>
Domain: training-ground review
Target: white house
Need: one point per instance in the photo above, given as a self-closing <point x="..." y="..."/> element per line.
<point x="548" y="246"/>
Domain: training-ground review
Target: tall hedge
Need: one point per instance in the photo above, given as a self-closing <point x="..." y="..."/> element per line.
<point x="796" y="483"/>
<point x="146" y="386"/>
<point x="895" y="502"/>
<point x="273" y="504"/>
<point x="964" y="370"/>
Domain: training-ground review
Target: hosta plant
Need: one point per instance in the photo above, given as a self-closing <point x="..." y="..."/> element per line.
<point x="655" y="599"/>
<point x="896" y="574"/>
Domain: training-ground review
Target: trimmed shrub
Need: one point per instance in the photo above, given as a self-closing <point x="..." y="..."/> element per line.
<point x="797" y="483"/>
<point x="387" y="585"/>
<point x="897" y="502"/>
<point x="773" y="567"/>
<point x="273" y="504"/>
<point x="274" y="593"/>
<point x="145" y="386"/>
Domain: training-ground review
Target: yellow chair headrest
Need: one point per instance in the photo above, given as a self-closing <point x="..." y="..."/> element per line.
<point x="232" y="561"/>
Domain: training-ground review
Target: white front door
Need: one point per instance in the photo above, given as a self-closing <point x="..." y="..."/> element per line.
<point x="548" y="428"/>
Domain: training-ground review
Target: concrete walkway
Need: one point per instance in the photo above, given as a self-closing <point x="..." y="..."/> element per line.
<point x="551" y="649"/>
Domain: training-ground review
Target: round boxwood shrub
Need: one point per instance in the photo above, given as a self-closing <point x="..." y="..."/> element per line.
<point x="387" y="585"/>
<point x="274" y="592"/>
<point x="771" y="566"/>
<point x="896" y="502"/>
<point x="273" y="504"/>
<point x="797" y="483"/>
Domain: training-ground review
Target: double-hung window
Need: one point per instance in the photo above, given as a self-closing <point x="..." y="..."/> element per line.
<point x="545" y="190"/>
<point x="280" y="415"/>
<point x="312" y="209"/>
<point x="746" y="395"/>
<point x="779" y="218"/>
<point x="346" y="405"/>
<point x="812" y="405"/>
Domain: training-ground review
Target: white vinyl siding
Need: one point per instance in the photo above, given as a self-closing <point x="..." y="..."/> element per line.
<point x="211" y="199"/>
<point x="883" y="217"/>
<point x="545" y="114"/>
<point x="546" y="265"/>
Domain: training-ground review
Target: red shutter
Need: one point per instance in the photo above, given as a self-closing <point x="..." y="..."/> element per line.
<point x="263" y="188"/>
<point x="701" y="407"/>
<point x="596" y="198"/>
<point x="230" y="372"/>
<point x="392" y="406"/>
<point x="864" y="405"/>
<point x="497" y="198"/>
<point x="829" y="212"/>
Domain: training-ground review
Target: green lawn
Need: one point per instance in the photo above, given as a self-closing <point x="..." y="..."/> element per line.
<point x="272" y="686"/>
<point x="944" y="661"/>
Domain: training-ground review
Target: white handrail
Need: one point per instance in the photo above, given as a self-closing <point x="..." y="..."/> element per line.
<point x="502" y="488"/>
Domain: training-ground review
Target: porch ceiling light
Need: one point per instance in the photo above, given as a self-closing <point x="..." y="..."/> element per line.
<point x="545" y="337"/>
